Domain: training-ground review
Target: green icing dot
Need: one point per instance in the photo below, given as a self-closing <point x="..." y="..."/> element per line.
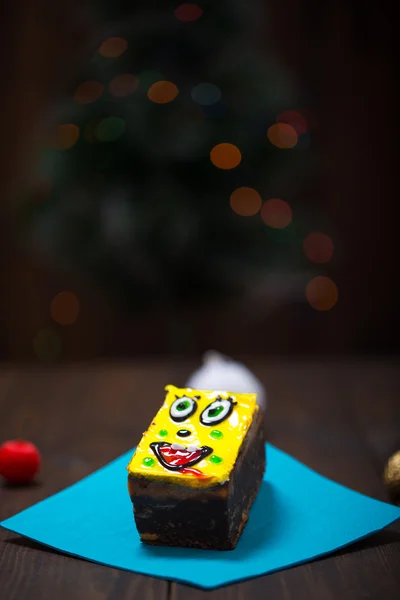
<point x="148" y="461"/>
<point x="215" y="459"/>
<point x="163" y="432"/>
<point x="216" y="434"/>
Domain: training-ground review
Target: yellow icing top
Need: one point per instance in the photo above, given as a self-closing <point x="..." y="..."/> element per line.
<point x="195" y="437"/>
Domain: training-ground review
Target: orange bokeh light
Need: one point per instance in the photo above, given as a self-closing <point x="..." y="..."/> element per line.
<point x="225" y="156"/>
<point x="245" y="201"/>
<point x="295" y="119"/>
<point x="113" y="47"/>
<point x="162" y="92"/>
<point x="282" y="135"/>
<point x="123" y="85"/>
<point x="318" y="247"/>
<point x="65" y="308"/>
<point x="65" y="136"/>
<point x="188" y="12"/>
<point x="276" y="213"/>
<point x="322" y="293"/>
<point x="88" y="92"/>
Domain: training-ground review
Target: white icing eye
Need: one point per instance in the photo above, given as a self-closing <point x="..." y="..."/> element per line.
<point x="217" y="411"/>
<point x="182" y="408"/>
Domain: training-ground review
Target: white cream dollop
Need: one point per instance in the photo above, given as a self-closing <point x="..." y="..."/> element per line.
<point x="219" y="372"/>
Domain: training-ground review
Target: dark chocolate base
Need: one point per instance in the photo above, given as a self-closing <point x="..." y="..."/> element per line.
<point x="209" y="518"/>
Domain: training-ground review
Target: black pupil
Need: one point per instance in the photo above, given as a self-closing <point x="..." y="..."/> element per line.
<point x="214" y="412"/>
<point x="183" y="405"/>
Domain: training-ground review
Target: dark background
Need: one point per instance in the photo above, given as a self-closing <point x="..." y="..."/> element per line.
<point x="341" y="56"/>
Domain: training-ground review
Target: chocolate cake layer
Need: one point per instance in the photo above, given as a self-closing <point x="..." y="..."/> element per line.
<point x="213" y="518"/>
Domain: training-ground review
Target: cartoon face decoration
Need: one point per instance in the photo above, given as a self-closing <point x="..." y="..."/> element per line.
<point x="195" y="437"/>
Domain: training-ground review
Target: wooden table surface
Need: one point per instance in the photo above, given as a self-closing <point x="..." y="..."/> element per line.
<point x="342" y="418"/>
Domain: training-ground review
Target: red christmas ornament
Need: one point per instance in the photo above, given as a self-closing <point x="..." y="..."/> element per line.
<point x="19" y="461"/>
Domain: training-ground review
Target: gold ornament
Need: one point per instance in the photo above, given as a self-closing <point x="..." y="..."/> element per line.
<point x="391" y="476"/>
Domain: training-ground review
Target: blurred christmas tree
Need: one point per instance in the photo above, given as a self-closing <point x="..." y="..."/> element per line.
<point x="168" y="119"/>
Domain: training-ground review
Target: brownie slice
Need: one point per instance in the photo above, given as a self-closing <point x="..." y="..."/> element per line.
<point x="208" y="517"/>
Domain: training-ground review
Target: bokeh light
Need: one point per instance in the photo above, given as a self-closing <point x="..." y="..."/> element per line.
<point x="64" y="308"/>
<point x="245" y="201"/>
<point x="322" y="293"/>
<point x="318" y="247"/>
<point x="188" y="12"/>
<point x="282" y="135"/>
<point x="47" y="345"/>
<point x="206" y="94"/>
<point x="276" y="213"/>
<point x="123" y="85"/>
<point x="162" y="92"/>
<point x="88" y="92"/>
<point x="65" y="136"/>
<point x="295" y="119"/>
<point x="113" y="47"/>
<point x="110" y="129"/>
<point x="225" y="156"/>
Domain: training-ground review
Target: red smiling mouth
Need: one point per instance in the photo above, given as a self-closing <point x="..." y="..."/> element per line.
<point x="178" y="459"/>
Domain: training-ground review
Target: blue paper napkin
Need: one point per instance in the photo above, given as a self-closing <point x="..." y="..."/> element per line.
<point x="298" y="515"/>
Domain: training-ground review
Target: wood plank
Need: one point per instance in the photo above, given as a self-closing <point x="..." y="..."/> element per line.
<point x="82" y="418"/>
<point x="327" y="579"/>
<point x="29" y="570"/>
